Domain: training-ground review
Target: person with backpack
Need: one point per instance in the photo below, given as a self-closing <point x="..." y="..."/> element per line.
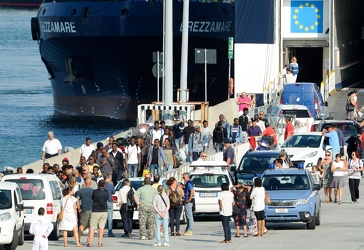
<point x="127" y="205"/>
<point x="175" y="194"/>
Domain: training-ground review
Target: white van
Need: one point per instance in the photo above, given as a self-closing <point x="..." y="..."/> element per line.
<point x="39" y="190"/>
<point x="11" y="216"/>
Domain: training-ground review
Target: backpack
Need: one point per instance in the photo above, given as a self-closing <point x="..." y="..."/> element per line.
<point x="175" y="198"/>
<point x="130" y="202"/>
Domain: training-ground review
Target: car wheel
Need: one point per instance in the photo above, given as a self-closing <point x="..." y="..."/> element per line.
<point x="21" y="236"/>
<point x="318" y="219"/>
<point x="55" y="233"/>
<point x="13" y="245"/>
<point x="312" y="224"/>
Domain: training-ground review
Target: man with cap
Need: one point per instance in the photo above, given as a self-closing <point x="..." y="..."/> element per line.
<point x="178" y="133"/>
<point x="195" y="146"/>
<point x="98" y="152"/>
<point x="187" y="131"/>
<point x="65" y="161"/>
<point x="229" y="154"/>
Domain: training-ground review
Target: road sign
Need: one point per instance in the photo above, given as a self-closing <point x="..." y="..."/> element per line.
<point x="210" y="56"/>
<point x="231" y="48"/>
<point x="155" y="70"/>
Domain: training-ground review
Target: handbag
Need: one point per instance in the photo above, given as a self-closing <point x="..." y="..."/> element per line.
<point x="267" y="198"/>
<point x="349" y="106"/>
<point x="60" y="215"/>
<point x="236" y="209"/>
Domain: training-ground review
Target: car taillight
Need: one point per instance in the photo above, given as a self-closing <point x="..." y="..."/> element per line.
<point x="114" y="199"/>
<point x="316" y="106"/>
<point x="312" y="128"/>
<point x="281" y="102"/>
<point x="49" y="208"/>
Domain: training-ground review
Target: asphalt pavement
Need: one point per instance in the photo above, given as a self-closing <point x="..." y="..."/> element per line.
<point x="341" y="228"/>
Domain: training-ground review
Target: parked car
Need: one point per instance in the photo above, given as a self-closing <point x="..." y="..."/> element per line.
<point x="294" y="197"/>
<point x="306" y="148"/>
<point x="39" y="190"/>
<point x="303" y="117"/>
<point x="254" y="163"/>
<point x="349" y="128"/>
<point x="207" y="177"/>
<point x="11" y="216"/>
<point x="308" y="94"/>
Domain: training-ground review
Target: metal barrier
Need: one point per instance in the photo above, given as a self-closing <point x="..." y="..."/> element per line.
<point x="156" y="109"/>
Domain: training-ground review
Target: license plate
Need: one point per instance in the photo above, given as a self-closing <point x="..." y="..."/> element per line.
<point x="28" y="211"/>
<point x="208" y="195"/>
<point x="281" y="210"/>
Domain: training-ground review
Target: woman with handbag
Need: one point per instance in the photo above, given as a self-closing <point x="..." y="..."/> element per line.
<point x="241" y="196"/>
<point x="258" y="203"/>
<point x="161" y="206"/>
<point x="68" y="222"/>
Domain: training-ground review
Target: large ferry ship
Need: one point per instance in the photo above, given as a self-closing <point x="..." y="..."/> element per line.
<point x="20" y="3"/>
<point x="99" y="55"/>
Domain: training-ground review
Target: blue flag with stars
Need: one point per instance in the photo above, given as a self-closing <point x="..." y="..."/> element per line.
<point x="306" y="16"/>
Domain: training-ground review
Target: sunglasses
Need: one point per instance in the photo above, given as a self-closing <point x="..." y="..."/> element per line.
<point x="203" y="155"/>
<point x="353" y="154"/>
<point x="327" y="155"/>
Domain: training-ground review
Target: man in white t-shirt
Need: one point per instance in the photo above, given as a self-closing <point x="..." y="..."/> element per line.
<point x="86" y="149"/>
<point x="52" y="147"/>
<point x="226" y="201"/>
<point x="132" y="158"/>
<point x="156" y="133"/>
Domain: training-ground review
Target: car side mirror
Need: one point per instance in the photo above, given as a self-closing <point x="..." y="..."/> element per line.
<point x="317" y="187"/>
<point x="19" y="207"/>
<point x="328" y="147"/>
<point x="232" y="168"/>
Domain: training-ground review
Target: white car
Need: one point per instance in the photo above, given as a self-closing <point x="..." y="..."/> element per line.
<point x="207" y="177"/>
<point x="303" y="117"/>
<point x="39" y="190"/>
<point x="11" y="216"/>
<point x="306" y="148"/>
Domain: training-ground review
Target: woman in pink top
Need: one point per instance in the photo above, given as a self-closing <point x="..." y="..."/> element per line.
<point x="243" y="101"/>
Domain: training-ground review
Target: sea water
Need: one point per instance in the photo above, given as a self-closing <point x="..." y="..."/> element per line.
<point x="26" y="98"/>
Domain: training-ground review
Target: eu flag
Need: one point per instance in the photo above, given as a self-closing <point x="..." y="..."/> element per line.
<point x="306" y="16"/>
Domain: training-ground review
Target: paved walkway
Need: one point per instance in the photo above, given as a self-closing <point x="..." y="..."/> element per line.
<point x="341" y="228"/>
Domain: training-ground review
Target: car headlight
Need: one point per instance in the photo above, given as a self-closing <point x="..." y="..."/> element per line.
<point x="302" y="201"/>
<point x="310" y="155"/>
<point x="5" y="216"/>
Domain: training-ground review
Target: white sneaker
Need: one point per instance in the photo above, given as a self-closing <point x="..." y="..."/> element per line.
<point x="157" y="245"/>
<point x="166" y="245"/>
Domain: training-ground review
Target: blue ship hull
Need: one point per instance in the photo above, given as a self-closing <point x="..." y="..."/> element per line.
<point x="99" y="54"/>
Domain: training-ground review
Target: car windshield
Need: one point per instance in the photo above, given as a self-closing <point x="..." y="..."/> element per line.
<point x="133" y="184"/>
<point x="31" y="189"/>
<point x="348" y="129"/>
<point x="5" y="199"/>
<point x="285" y="182"/>
<point x="209" y="180"/>
<point x="299" y="113"/>
<point x="257" y="163"/>
<point x="302" y="141"/>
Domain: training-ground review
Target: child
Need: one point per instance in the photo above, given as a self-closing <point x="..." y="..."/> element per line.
<point x="41" y="228"/>
<point x="316" y="175"/>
